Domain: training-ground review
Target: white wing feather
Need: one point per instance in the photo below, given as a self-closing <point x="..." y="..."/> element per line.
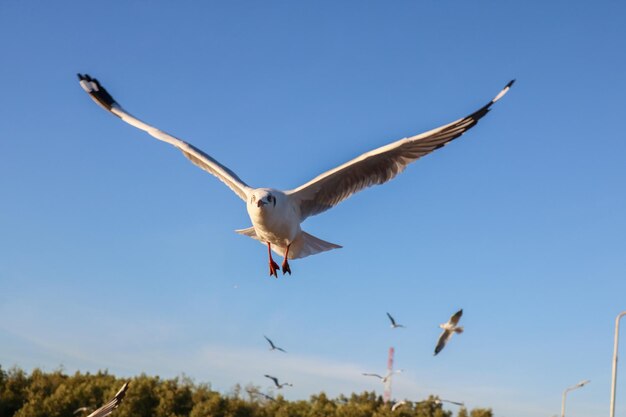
<point x="380" y="165"/>
<point x="102" y="97"/>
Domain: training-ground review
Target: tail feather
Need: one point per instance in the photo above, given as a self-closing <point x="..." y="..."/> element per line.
<point x="304" y="245"/>
<point x="458" y="330"/>
<point x="307" y="244"/>
<point x="250" y="232"/>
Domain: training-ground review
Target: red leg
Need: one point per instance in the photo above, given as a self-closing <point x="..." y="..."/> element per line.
<point x="285" y="263"/>
<point x="273" y="265"/>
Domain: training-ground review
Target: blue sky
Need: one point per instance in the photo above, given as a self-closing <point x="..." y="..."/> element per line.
<point x="117" y="253"/>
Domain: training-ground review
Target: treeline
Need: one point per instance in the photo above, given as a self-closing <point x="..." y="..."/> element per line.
<point x="56" y="394"/>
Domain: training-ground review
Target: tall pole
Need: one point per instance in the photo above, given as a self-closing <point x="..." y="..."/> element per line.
<point x="614" y="376"/>
<point x="387" y="393"/>
<point x="579" y="385"/>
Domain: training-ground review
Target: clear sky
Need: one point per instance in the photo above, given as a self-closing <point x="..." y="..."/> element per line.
<point x="117" y="253"/>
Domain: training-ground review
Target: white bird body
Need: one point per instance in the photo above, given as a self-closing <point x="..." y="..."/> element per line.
<point x="277" y="223"/>
<point x="276" y="215"/>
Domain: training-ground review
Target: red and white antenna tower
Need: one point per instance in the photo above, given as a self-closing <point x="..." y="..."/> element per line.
<point x="387" y="393"/>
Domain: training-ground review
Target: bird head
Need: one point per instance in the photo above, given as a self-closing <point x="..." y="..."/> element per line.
<point x="262" y="198"/>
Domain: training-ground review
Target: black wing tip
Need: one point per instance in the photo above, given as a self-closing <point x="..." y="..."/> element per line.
<point x="510" y="83"/>
<point x="93" y="87"/>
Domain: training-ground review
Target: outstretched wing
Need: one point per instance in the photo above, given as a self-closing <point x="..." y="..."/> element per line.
<point x="443" y="339"/>
<point x="269" y="341"/>
<point x="273" y="378"/>
<point x="380" y="165"/>
<point x="376" y="375"/>
<point x="453" y="402"/>
<point x="102" y="97"/>
<point x="454" y="319"/>
<point x="107" y="408"/>
<point x="393" y="322"/>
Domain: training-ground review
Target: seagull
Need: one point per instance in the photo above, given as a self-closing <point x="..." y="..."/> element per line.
<point x="256" y="392"/>
<point x="449" y="329"/>
<point x="277" y="215"/>
<point x="273" y="346"/>
<point x="278" y="386"/>
<point x="394" y="325"/>
<point x="107" y="408"/>
<point x="439" y="401"/>
<point x="385" y="378"/>
<point x="267" y="397"/>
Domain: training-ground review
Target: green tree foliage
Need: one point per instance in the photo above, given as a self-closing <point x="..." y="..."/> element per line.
<point x="481" y="412"/>
<point x="55" y="394"/>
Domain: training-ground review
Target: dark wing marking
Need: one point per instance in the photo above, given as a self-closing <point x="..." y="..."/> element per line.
<point x="273" y="378"/>
<point x="443" y="339"/>
<point x="269" y="341"/>
<point x="376" y="375"/>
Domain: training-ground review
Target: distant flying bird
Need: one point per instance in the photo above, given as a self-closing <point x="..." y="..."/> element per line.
<point x="267" y="397"/>
<point x="385" y="378"/>
<point x="273" y="346"/>
<point x="256" y="392"/>
<point x="107" y="408"/>
<point x="276" y="215"/>
<point x="278" y="386"/>
<point x="439" y="401"/>
<point x="449" y="329"/>
<point x="394" y="325"/>
<point x="451" y="402"/>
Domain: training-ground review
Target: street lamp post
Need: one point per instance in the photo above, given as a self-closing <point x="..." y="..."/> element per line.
<point x="614" y="376"/>
<point x="579" y="385"/>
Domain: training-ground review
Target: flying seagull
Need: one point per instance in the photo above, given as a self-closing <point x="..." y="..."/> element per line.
<point x="393" y="322"/>
<point x="278" y="386"/>
<point x="276" y="215"/>
<point x="107" y="408"/>
<point x="273" y="346"/>
<point x="449" y="329"/>
<point x="439" y="401"/>
<point x="385" y="378"/>
<point x="256" y="393"/>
